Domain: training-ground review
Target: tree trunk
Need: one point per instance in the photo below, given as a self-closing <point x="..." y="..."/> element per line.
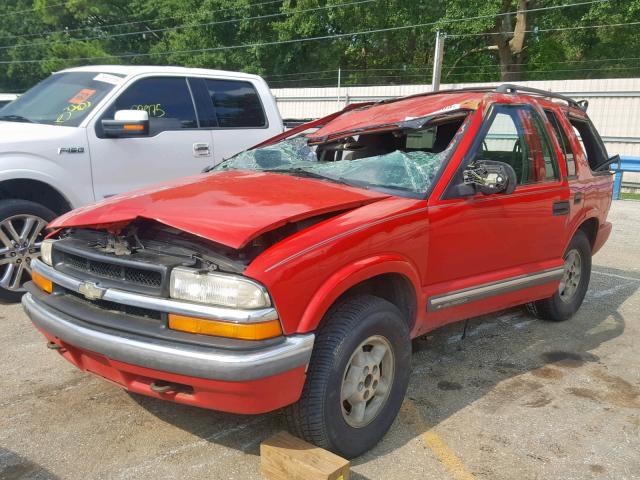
<point x="510" y="44"/>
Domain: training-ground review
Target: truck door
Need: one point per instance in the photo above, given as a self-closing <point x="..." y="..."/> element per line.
<point x="234" y="111"/>
<point x="488" y="252"/>
<point x="175" y="147"/>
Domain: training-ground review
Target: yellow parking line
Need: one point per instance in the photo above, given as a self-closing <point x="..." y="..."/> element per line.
<point x="437" y="445"/>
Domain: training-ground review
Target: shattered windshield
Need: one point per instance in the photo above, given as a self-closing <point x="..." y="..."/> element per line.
<point x="402" y="163"/>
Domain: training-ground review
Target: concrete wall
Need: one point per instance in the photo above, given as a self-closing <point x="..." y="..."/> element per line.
<point x="614" y="104"/>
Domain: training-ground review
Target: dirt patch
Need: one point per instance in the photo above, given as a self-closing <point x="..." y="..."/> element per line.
<point x="540" y="399"/>
<point x="445" y="385"/>
<point x="584" y="393"/>
<point x="548" y="373"/>
<point x="510" y="391"/>
<point x="616" y="391"/>
<point x="597" y="468"/>
<point x="619" y="391"/>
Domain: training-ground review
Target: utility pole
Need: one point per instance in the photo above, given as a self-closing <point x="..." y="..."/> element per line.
<point x="339" y="79"/>
<point x="437" y="61"/>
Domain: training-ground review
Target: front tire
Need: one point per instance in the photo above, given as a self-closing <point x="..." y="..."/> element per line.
<point x="357" y="377"/>
<point x="573" y="286"/>
<point x="22" y="226"/>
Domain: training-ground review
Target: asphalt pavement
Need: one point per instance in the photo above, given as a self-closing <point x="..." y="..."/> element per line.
<point x="518" y="398"/>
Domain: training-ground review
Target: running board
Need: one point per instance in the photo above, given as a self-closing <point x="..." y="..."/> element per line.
<point x="487" y="290"/>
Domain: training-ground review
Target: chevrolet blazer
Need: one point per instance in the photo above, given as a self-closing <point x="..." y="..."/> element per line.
<point x="296" y="273"/>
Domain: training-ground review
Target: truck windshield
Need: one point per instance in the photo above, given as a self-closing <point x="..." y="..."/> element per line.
<point x="401" y="163"/>
<point x="61" y="99"/>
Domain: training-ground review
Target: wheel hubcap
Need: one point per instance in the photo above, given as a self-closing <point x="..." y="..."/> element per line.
<point x="571" y="276"/>
<point x="20" y="240"/>
<point x="367" y="381"/>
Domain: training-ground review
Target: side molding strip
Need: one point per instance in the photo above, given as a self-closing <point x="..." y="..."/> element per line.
<point x="486" y="290"/>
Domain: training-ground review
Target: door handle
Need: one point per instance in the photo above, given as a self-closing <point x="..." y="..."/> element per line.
<point x="201" y="150"/>
<point x="577" y="198"/>
<point x="561" y="208"/>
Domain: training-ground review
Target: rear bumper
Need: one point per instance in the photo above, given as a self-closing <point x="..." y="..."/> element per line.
<point x="601" y="237"/>
<point x="238" y="381"/>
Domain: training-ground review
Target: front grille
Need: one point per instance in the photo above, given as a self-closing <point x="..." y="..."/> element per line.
<point x="137" y="276"/>
<point x="118" y="307"/>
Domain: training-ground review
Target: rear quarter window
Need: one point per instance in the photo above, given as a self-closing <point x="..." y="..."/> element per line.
<point x="590" y="141"/>
<point x="237" y="104"/>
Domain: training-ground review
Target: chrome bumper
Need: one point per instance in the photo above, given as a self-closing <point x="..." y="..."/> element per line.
<point x="182" y="359"/>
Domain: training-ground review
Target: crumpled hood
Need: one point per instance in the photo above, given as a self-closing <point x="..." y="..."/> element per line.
<point x="230" y="207"/>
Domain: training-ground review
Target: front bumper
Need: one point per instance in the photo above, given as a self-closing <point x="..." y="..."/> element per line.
<point x="173" y="357"/>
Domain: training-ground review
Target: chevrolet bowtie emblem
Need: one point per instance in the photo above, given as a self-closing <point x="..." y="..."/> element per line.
<point x="91" y="291"/>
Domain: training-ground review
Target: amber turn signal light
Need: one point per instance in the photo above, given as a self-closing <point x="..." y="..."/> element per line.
<point x="138" y="128"/>
<point x="42" y="282"/>
<point x="242" y="331"/>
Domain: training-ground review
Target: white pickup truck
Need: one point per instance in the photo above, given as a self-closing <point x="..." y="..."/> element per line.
<point x="85" y="134"/>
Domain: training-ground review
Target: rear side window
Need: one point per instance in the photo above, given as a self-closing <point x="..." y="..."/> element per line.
<point x="563" y="140"/>
<point x="166" y="99"/>
<point x="550" y="166"/>
<point x="590" y="141"/>
<point x="237" y="104"/>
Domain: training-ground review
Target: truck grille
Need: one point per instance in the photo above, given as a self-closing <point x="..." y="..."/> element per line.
<point x="137" y="276"/>
<point x="118" y="307"/>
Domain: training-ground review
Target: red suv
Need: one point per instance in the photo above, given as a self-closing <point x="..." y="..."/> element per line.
<point x="296" y="273"/>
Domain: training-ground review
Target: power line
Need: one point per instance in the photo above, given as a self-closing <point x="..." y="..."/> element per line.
<point x="302" y="73"/>
<point x="151" y="20"/>
<point x="347" y="84"/>
<point x="408" y="69"/>
<point x="33" y="9"/>
<point x="470" y="74"/>
<point x="194" y="25"/>
<point x="559" y="62"/>
<point x="308" y="39"/>
<point x="637" y="67"/>
<point x="428" y="82"/>
<point x="542" y="30"/>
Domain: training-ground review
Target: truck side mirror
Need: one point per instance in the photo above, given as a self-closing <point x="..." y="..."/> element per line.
<point x="490" y="177"/>
<point x="127" y="123"/>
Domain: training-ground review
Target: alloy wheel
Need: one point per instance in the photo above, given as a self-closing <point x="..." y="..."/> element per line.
<point x="367" y="381"/>
<point x="571" y="276"/>
<point x="20" y="241"/>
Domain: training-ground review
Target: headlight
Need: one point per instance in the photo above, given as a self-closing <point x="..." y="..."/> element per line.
<point x="217" y="289"/>
<point x="45" y="251"/>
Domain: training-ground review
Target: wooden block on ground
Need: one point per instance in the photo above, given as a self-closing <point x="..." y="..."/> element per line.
<point x="285" y="457"/>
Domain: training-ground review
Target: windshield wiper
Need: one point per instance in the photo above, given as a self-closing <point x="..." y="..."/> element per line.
<point x="15" y="118"/>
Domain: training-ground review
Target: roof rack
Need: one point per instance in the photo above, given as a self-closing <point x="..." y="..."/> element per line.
<point x="504" y="88"/>
<point x="510" y="88"/>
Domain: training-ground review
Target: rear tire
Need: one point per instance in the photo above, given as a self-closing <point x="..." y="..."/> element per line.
<point x="573" y="286"/>
<point x="357" y="377"/>
<point x="22" y="226"/>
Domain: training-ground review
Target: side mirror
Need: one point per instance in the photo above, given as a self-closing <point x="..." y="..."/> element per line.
<point x="127" y="123"/>
<point x="490" y="177"/>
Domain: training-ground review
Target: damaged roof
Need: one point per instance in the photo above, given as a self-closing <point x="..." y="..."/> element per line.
<point x="397" y="111"/>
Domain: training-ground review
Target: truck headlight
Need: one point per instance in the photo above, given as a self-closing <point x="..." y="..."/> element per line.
<point x="45" y="251"/>
<point x="217" y="289"/>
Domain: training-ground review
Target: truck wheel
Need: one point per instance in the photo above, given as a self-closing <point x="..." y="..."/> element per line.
<point x="22" y="226"/>
<point x="573" y="286"/>
<point x="357" y="377"/>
